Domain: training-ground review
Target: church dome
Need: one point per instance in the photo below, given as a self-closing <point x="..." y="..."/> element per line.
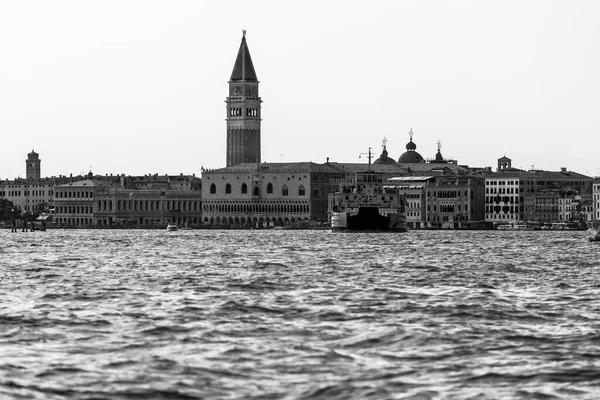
<point x="384" y="158"/>
<point x="411" y="156"/>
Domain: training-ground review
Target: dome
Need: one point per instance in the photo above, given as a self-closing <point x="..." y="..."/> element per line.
<point x="384" y="158"/>
<point x="411" y="157"/>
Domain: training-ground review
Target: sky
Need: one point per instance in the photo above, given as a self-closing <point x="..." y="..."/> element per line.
<point x="138" y="87"/>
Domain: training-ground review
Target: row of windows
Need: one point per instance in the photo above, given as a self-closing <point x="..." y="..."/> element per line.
<point x="256" y="190"/>
<point x="74" y="209"/>
<point x="446" y="208"/>
<point x="77" y="194"/>
<point x="502" y="183"/>
<point x="18" y="193"/>
<point x="503" y="190"/>
<point x="501" y="199"/>
<point x="149" y="205"/>
<point x="501" y="216"/>
<point x="446" y="218"/>
<point x="448" y="194"/>
<point x="315" y="178"/>
<point x="502" y="209"/>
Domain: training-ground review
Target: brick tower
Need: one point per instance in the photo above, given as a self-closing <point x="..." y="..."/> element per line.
<point x="243" y="111"/>
<point x="33" y="166"/>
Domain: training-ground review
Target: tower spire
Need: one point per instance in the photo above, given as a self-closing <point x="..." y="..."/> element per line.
<point x="243" y="69"/>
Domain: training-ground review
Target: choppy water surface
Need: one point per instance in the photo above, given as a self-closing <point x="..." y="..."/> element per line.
<point x="298" y="315"/>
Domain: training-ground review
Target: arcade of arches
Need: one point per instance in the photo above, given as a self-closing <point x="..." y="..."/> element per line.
<point x="239" y="213"/>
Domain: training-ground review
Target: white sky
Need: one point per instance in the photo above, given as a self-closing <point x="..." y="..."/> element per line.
<point x="138" y="87"/>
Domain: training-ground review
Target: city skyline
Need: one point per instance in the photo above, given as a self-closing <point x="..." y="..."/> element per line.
<point x="143" y="90"/>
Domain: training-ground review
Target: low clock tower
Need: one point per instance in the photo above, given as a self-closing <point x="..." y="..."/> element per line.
<point x="33" y="166"/>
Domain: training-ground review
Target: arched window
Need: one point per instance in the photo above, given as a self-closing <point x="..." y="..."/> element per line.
<point x="315" y="192"/>
<point x="244" y="188"/>
<point x="301" y="191"/>
<point x="228" y="188"/>
<point x="213" y="188"/>
<point x="284" y="190"/>
<point x="256" y="191"/>
<point x="270" y="188"/>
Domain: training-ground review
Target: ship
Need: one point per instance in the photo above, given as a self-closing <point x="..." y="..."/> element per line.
<point x="364" y="203"/>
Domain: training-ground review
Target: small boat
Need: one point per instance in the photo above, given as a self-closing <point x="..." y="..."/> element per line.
<point x="567" y="226"/>
<point x="516" y="226"/>
<point x="171" y="227"/>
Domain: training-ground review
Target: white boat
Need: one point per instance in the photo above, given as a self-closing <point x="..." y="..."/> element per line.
<point x="566" y="226"/>
<point x="171" y="227"/>
<point x="516" y="226"/>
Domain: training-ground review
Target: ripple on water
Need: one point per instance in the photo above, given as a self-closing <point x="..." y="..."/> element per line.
<point x="298" y="314"/>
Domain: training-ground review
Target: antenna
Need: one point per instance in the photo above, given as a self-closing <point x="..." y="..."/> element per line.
<point x="370" y="155"/>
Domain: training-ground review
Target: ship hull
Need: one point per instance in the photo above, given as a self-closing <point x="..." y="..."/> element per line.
<point x="368" y="219"/>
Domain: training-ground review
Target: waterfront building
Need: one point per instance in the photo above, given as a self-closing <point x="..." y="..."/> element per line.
<point x="596" y="199"/>
<point x="268" y="194"/>
<point x="138" y="201"/>
<point x="74" y="202"/>
<point x="512" y="194"/>
<point x="29" y="195"/>
<point x="243" y="111"/>
<point x="442" y="202"/>
<point x="32" y="193"/>
<point x="558" y="205"/>
<point x="414" y="192"/>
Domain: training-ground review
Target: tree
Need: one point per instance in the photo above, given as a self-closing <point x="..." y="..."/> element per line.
<point x="8" y="211"/>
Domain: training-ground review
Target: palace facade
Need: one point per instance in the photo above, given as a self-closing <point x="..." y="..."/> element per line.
<point x="267" y="194"/>
<point x="138" y="201"/>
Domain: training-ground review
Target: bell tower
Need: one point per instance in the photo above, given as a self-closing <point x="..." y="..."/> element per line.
<point x="243" y="110"/>
<point x="33" y="166"/>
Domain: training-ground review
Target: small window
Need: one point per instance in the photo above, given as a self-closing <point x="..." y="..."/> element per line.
<point x="213" y="188"/>
<point x="270" y="188"/>
<point x="228" y="189"/>
<point x="284" y="190"/>
<point x="301" y="191"/>
<point x="244" y="188"/>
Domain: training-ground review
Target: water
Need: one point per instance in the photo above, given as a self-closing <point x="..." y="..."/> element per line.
<point x="299" y="315"/>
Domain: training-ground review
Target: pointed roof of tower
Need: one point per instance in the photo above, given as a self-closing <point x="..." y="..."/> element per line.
<point x="243" y="70"/>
